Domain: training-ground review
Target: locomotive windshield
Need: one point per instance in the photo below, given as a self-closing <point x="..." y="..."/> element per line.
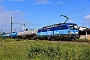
<point x="73" y="26"/>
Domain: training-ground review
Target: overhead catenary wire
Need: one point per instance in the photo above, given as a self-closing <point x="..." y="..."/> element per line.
<point x="79" y="10"/>
<point x="53" y="10"/>
<point x="48" y="10"/>
<point x="74" y="11"/>
<point x="61" y="6"/>
<point x="66" y="8"/>
<point x="79" y="17"/>
<point x="71" y="5"/>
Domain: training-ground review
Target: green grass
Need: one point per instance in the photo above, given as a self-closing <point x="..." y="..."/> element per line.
<point x="15" y="49"/>
<point x="82" y="40"/>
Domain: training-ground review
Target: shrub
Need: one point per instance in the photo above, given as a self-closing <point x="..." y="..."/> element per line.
<point x="17" y="39"/>
<point x="82" y="40"/>
<point x="66" y="51"/>
<point x="6" y="40"/>
<point x="0" y="39"/>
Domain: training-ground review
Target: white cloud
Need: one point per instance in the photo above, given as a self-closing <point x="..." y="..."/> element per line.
<point x="37" y="2"/>
<point x="87" y="17"/>
<point x="86" y="21"/>
<point x="1" y="7"/>
<point x="59" y="2"/>
<point x="5" y="15"/>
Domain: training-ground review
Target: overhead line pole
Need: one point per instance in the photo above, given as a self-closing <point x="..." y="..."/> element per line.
<point x="1" y="30"/>
<point x="24" y="27"/>
<point x="11" y="27"/>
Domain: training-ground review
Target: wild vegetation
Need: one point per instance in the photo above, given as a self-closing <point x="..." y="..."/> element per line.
<point x="18" y="49"/>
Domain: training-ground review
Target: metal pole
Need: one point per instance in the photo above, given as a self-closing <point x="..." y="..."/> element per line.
<point x="24" y="27"/>
<point x="15" y="30"/>
<point x="1" y="30"/>
<point x="11" y="27"/>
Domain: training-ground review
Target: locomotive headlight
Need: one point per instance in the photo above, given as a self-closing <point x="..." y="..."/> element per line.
<point x="76" y="32"/>
<point x="71" y="32"/>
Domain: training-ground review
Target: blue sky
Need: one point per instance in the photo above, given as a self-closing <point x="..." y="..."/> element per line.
<point x="39" y="13"/>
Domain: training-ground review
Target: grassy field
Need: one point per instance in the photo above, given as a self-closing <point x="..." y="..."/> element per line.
<point x="16" y="49"/>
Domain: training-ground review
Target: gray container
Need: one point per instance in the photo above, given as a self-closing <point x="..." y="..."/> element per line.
<point x="31" y="32"/>
<point x="20" y="34"/>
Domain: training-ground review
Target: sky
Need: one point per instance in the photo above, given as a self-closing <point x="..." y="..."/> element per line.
<point x="38" y="13"/>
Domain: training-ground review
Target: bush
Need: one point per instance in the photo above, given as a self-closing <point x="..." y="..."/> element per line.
<point x="82" y="40"/>
<point x="43" y="50"/>
<point x="59" y="52"/>
<point x="7" y="40"/>
<point x="18" y="39"/>
<point x="0" y="39"/>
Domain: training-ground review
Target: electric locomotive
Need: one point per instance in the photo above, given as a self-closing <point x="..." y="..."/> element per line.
<point x="59" y="31"/>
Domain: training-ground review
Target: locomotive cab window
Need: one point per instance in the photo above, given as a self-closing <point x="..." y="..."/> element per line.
<point x="73" y="26"/>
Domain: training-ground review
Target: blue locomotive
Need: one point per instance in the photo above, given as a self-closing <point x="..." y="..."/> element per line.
<point x="61" y="31"/>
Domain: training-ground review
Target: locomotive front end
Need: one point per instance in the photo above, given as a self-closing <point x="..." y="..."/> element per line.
<point x="74" y="31"/>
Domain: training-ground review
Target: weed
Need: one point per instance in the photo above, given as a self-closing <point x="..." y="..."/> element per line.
<point x="17" y="39"/>
<point x="82" y="40"/>
<point x="43" y="50"/>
